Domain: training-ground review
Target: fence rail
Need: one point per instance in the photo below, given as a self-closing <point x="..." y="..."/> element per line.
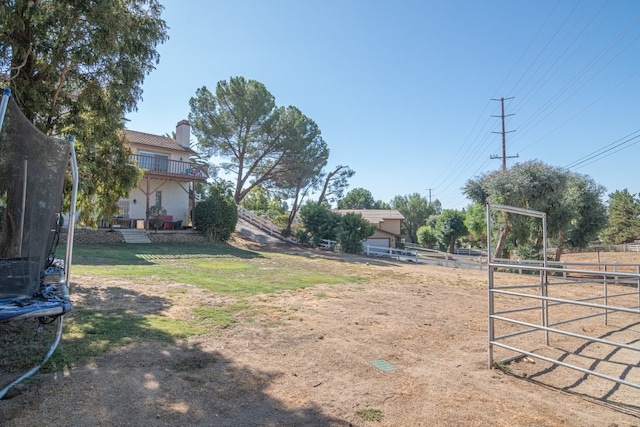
<point x="260" y="221"/>
<point x="564" y="309"/>
<point x="402" y="254"/>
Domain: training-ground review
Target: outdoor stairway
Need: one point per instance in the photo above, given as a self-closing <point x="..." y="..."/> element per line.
<point x="133" y="235"/>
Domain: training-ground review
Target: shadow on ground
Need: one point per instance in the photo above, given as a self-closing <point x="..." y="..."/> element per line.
<point x="139" y="374"/>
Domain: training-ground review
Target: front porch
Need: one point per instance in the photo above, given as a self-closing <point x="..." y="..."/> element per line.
<point x="167" y="223"/>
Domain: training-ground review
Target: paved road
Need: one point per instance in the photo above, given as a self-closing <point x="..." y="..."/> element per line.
<point x="254" y="233"/>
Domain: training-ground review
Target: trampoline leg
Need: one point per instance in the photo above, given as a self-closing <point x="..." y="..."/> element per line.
<point x="36" y="368"/>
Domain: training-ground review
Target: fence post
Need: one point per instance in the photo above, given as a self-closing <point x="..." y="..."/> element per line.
<point x="638" y="271"/>
<point x="520" y="269"/>
<point x="606" y="302"/>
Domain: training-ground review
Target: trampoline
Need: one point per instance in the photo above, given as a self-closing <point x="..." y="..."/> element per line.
<point x="33" y="282"/>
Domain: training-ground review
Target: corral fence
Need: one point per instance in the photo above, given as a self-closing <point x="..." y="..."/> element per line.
<point x="585" y="318"/>
<point x="401" y="254"/>
<point x="466" y="258"/>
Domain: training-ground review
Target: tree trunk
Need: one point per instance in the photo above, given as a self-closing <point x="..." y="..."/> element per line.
<point x="293" y="213"/>
<point x="560" y="245"/>
<point x="326" y="185"/>
<point x="502" y="239"/>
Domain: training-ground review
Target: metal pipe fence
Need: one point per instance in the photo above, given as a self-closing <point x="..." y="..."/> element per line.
<point x="563" y="304"/>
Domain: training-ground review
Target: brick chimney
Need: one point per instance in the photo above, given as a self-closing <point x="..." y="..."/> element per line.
<point x="183" y="133"/>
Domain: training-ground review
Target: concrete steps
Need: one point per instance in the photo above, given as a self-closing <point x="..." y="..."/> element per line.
<point x="132" y="235"/>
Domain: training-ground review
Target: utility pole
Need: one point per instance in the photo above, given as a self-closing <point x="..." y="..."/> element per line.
<point x="504" y="156"/>
<point x="429" y="190"/>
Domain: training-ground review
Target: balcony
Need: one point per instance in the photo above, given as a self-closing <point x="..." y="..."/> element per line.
<point x="162" y="167"/>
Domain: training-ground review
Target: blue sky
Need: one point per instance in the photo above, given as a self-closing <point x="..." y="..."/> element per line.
<point x="402" y="89"/>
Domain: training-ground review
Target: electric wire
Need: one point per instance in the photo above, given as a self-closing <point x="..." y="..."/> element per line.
<point x="557" y="100"/>
<point x="598" y="154"/>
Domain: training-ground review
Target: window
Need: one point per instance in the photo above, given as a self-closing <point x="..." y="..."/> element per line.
<point x="123" y="208"/>
<point x="153" y="162"/>
<point x="159" y="198"/>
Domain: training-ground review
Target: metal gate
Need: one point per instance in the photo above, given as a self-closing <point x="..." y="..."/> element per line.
<point x="595" y="313"/>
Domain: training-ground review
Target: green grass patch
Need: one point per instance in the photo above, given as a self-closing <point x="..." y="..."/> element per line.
<point x="90" y="333"/>
<point x="370" y="414"/>
<point x="128" y="254"/>
<point x="217" y="268"/>
<point x="502" y="367"/>
<point x="221" y="317"/>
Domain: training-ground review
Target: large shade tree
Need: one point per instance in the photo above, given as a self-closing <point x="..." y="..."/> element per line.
<point x="77" y="68"/>
<point x="301" y="170"/>
<point x="358" y="198"/>
<point x="361" y="198"/>
<point x="259" y="143"/>
<point x="572" y="202"/>
<point x="416" y="210"/>
<point x="449" y="227"/>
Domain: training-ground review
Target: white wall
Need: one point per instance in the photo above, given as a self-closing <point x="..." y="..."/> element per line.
<point x="174" y="199"/>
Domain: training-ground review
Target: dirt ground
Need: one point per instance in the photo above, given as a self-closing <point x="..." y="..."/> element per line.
<point x="307" y="361"/>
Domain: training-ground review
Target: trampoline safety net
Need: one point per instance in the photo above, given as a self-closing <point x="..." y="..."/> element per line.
<point x="32" y="171"/>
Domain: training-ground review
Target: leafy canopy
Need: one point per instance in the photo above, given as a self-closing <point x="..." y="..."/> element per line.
<point x="572" y="202"/>
<point x="624" y="218"/>
<point x="449" y="226"/>
<point x="260" y="143"/>
<point x="360" y="198"/>
<point x="415" y="209"/>
<point x="77" y="68"/>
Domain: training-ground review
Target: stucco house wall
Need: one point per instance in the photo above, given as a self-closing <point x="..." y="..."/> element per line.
<point x="169" y="175"/>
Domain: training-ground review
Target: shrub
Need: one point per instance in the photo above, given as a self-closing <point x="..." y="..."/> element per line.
<point x="426" y="237"/>
<point x="302" y="237"/>
<point x="353" y="229"/>
<point x="216" y="217"/>
<point x="319" y="221"/>
<point x="281" y="220"/>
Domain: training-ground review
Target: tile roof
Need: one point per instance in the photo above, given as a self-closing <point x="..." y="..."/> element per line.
<point x="374" y="215"/>
<point x="156" y="141"/>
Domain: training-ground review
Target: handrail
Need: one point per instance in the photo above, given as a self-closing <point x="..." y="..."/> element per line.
<point x="164" y="166"/>
<point x="260" y="221"/>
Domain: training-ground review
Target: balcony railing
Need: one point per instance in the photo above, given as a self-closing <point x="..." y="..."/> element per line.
<point x="175" y="168"/>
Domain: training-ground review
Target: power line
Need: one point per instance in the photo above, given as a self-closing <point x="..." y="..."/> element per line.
<point x="574" y="33"/>
<point x="599" y="154"/>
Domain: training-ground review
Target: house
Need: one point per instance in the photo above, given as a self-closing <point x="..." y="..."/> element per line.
<point x="169" y="180"/>
<point x="386" y="222"/>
